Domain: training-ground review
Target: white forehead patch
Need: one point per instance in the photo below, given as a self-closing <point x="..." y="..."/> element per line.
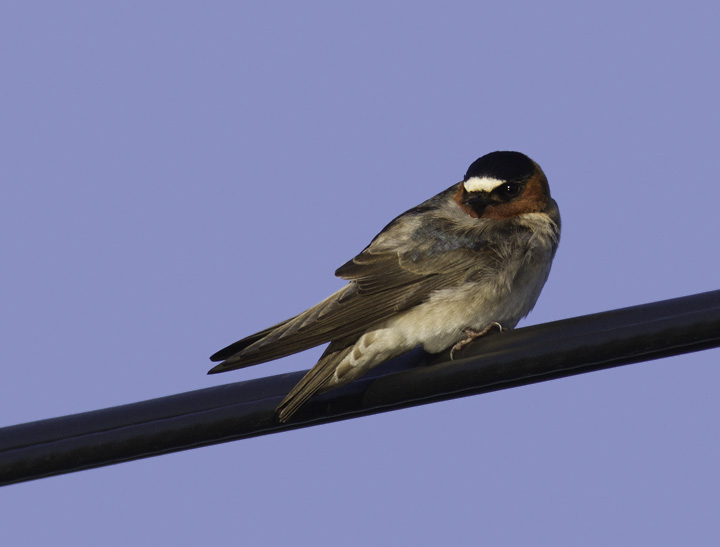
<point x="482" y="184"/>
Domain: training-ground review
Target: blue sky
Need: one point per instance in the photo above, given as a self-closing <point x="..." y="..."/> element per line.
<point x="177" y="175"/>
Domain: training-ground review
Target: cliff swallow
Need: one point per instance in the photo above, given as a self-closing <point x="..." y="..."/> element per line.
<point x="441" y="274"/>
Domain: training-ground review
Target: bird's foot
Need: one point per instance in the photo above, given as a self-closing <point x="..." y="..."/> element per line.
<point x="471" y="335"/>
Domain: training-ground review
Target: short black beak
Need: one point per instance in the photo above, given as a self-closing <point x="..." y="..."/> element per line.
<point x="477" y="201"/>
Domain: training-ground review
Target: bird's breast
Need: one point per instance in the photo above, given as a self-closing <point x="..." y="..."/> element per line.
<point x="506" y="293"/>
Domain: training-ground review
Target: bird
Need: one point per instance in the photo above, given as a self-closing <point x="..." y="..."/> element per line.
<point x="440" y="275"/>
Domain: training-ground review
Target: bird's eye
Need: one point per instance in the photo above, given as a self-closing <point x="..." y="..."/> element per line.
<point x="509" y="189"/>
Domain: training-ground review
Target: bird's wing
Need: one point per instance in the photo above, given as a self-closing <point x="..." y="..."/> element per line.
<point x="240" y="345"/>
<point x="402" y="266"/>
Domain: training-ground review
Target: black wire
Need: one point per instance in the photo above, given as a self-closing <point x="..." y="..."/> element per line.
<point x="246" y="409"/>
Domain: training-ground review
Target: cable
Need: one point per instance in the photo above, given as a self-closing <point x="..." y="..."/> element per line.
<point x="246" y="409"/>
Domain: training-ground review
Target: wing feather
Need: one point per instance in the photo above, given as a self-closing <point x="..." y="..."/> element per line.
<point x="378" y="289"/>
<point x="314" y="381"/>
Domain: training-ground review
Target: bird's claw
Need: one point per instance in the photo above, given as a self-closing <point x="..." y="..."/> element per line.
<point x="472" y="335"/>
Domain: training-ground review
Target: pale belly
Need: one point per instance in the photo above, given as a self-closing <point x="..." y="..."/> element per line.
<point x="439" y="323"/>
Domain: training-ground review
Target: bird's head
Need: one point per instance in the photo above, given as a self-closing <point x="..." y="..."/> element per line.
<point x="503" y="185"/>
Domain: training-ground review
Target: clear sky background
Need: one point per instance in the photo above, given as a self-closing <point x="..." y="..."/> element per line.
<point x="177" y="175"/>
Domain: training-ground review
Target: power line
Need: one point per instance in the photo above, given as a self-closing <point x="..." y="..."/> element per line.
<point x="246" y="409"/>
